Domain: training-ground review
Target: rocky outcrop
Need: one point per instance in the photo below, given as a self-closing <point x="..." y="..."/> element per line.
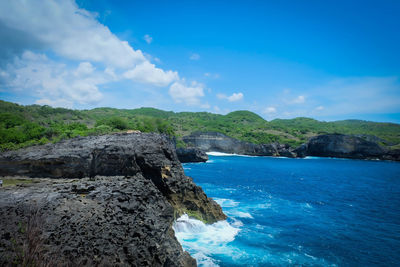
<point x="120" y="215"/>
<point x="213" y="141"/>
<point x="191" y="155"/>
<point x="347" y="146"/>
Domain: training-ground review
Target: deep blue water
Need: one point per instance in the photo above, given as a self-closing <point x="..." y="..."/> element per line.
<point x="312" y="212"/>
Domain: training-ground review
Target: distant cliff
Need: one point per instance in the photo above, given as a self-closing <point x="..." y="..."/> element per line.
<point x="330" y="145"/>
<point x="346" y="146"/>
<point x="213" y="141"/>
<point x="117" y="206"/>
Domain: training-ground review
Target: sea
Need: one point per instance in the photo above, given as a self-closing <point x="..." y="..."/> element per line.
<point x="296" y="212"/>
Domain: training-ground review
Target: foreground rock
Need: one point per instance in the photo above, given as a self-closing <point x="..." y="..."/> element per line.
<point x="213" y="141"/>
<point x="107" y="221"/>
<point x="122" y="219"/>
<point x="191" y="155"/>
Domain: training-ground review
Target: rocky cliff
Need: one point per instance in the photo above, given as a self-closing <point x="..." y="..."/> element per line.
<point x="346" y="146"/>
<point x="117" y="206"/>
<point x="213" y="141"/>
<point x="330" y="145"/>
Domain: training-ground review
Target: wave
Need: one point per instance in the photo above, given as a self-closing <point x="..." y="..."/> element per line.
<point x="203" y="240"/>
<point x="241" y="214"/>
<point x="218" y="154"/>
<point x="226" y="203"/>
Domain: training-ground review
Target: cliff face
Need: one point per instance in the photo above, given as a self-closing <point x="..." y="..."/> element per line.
<point x="122" y="215"/>
<point x="345" y="146"/>
<point x="330" y="145"/>
<point x="213" y="141"/>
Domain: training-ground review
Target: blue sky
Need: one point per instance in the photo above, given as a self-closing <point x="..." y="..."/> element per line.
<point x="328" y="60"/>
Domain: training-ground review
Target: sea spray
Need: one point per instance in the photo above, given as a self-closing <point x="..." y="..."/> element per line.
<point x="203" y="241"/>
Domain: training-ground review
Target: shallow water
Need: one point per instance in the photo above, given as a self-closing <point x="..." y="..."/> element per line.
<point x="313" y="212"/>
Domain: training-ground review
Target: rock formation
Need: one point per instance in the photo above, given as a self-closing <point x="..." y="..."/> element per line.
<point x="346" y="146"/>
<point x="191" y="155"/>
<point x="213" y="141"/>
<point x="329" y="145"/>
<point x="121" y="214"/>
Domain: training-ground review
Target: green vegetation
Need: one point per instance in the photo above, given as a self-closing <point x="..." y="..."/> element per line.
<point x="14" y="182"/>
<point x="22" y="126"/>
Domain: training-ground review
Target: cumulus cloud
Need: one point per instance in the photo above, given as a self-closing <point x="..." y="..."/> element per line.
<point x="69" y="31"/>
<point x="188" y="94"/>
<point x="194" y="56"/>
<point x="56" y="83"/>
<point x="232" y="98"/>
<point x="148" y="73"/>
<point x="61" y="54"/>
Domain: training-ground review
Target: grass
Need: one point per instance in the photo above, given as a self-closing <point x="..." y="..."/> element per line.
<point x="15" y="182"/>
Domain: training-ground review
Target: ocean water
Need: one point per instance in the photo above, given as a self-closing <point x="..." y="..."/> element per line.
<point x="304" y="212"/>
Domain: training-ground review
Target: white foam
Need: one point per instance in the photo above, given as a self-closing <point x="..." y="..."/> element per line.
<point x="218" y="154"/>
<point x="204" y="240"/>
<point x="215" y="153"/>
<point x="226" y="203"/>
<point x="241" y="214"/>
<point x="204" y="261"/>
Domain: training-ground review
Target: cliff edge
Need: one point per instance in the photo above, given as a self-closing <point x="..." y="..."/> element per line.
<point x="104" y="200"/>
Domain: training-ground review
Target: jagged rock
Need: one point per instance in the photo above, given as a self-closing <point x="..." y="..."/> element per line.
<point x="191" y="155"/>
<point x="156" y="177"/>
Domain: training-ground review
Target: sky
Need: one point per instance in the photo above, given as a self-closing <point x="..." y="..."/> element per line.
<point x="328" y="60"/>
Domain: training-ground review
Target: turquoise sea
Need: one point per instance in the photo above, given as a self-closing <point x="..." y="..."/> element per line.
<point x="304" y="212"/>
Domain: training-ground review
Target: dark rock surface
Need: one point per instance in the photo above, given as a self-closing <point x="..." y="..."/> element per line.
<point x="213" y="141"/>
<point x="141" y="206"/>
<point x="108" y="221"/>
<point x="347" y="146"/>
<point x="191" y="155"/>
<point x="339" y="145"/>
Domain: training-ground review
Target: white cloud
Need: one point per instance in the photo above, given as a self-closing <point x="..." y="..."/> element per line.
<point x="148" y="73"/>
<point x="77" y="54"/>
<point x="232" y="98"/>
<point x="69" y="31"/>
<point x="299" y="100"/>
<point x="269" y="110"/>
<point x="194" y="56"/>
<point x="190" y="95"/>
<point x="319" y="108"/>
<point x="148" y="38"/>
<point x="56" y="83"/>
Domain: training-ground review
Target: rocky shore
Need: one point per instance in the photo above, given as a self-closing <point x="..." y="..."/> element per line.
<point x="108" y="200"/>
<point x="329" y="145"/>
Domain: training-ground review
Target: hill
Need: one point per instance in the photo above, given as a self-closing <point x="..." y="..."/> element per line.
<point x="22" y="126"/>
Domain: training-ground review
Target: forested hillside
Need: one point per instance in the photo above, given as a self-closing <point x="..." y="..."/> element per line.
<point x="22" y="126"/>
